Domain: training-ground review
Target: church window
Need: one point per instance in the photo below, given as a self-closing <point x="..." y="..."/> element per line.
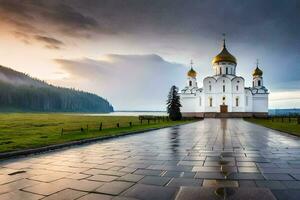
<point x="258" y="82"/>
<point x="237" y="102"/>
<point x="210" y="88"/>
<point x="237" y="88"/>
<point x="210" y="102"/>
<point x="190" y="83"/>
<point x="223" y="88"/>
<point x="199" y="101"/>
<point x="226" y="70"/>
<point x="224" y="98"/>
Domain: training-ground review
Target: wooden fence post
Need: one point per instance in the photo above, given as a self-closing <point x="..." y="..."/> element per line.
<point x="148" y="121"/>
<point x="100" y="127"/>
<point x="118" y="125"/>
<point x="130" y="124"/>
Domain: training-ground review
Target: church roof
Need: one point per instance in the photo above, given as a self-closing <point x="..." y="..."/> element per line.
<point x="257" y="72"/>
<point x="224" y="55"/>
<point x="192" y="73"/>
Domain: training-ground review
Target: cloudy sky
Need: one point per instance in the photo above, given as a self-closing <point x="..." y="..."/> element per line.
<point x="132" y="51"/>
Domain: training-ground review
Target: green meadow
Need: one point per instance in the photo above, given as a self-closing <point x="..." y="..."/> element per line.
<point x="291" y="127"/>
<point x="20" y="131"/>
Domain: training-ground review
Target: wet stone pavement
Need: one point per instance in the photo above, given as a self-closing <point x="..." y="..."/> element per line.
<point x="210" y="159"/>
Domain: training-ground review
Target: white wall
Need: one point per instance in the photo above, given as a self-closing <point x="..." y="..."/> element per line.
<point x="260" y="103"/>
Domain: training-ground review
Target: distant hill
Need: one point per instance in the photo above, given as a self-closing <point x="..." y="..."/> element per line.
<point x="20" y="92"/>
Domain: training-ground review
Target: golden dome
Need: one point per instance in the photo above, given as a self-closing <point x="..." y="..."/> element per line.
<point x="192" y="73"/>
<point x="224" y="55"/>
<point x="257" y="72"/>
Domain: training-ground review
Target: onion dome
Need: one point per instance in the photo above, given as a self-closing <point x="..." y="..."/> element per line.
<point x="192" y="73"/>
<point x="224" y="55"/>
<point x="257" y="72"/>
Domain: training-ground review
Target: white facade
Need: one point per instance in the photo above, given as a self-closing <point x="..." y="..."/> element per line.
<point x="224" y="92"/>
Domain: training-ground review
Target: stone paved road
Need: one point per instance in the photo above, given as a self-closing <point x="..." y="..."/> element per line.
<point x="193" y="161"/>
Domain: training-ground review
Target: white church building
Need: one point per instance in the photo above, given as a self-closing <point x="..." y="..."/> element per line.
<point x="224" y="94"/>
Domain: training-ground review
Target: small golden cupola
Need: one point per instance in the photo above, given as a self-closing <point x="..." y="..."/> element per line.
<point x="257" y="71"/>
<point x="192" y="73"/>
<point x="224" y="56"/>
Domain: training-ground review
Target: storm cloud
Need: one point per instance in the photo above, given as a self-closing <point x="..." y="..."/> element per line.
<point x="176" y="30"/>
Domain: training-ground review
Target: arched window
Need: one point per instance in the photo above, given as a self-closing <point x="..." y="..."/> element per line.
<point x="223" y="100"/>
<point x="223" y="88"/>
<point x="226" y="70"/>
<point x="209" y="88"/>
<point x="237" y="102"/>
<point x="190" y="83"/>
<point x="258" y="82"/>
<point x="237" y="88"/>
<point x="210" y="102"/>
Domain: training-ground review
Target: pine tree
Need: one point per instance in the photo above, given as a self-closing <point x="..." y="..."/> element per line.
<point x="173" y="104"/>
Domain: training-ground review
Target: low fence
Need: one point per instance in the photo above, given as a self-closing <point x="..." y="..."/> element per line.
<point x="101" y="126"/>
<point x="285" y="119"/>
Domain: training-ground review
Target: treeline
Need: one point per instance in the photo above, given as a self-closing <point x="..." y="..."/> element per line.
<point x="48" y="98"/>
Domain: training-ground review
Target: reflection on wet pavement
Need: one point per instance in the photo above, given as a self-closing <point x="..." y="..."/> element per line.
<point x="211" y="159"/>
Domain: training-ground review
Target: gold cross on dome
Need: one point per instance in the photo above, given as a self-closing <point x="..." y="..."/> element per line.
<point x="257" y="62"/>
<point x="192" y="63"/>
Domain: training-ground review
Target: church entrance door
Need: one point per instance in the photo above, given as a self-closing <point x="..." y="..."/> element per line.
<point x="223" y="108"/>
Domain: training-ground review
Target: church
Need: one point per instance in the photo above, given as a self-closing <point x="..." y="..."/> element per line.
<point x="224" y="94"/>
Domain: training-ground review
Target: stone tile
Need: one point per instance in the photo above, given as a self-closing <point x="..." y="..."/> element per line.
<point x="178" y="182"/>
<point x="150" y="192"/>
<point x="20" y="195"/>
<point x="78" y="176"/>
<point x="279" y="177"/>
<point x="246" y="164"/>
<point x="49" y="177"/>
<point x="296" y="176"/>
<point x="247" y="184"/>
<point x="154" y="180"/>
<point x="67" y="194"/>
<point x="16" y="185"/>
<point x="148" y="172"/>
<point x="44" y="188"/>
<point x="102" y="178"/>
<point x="219" y="183"/>
<point x="209" y="175"/>
<point x="248" y="169"/>
<point x="287" y="194"/>
<point x="7" y="179"/>
<point x="205" y="169"/>
<point x="270" y="184"/>
<point x="114" y="188"/>
<point x="93" y="196"/>
<point x="246" y="176"/>
<point x="190" y="163"/>
<point x="177" y="174"/>
<point x="291" y="184"/>
<point x="131" y="178"/>
<point x="190" y="193"/>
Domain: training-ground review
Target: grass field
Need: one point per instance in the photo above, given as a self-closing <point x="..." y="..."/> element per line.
<point x="285" y="126"/>
<point x="24" y="131"/>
